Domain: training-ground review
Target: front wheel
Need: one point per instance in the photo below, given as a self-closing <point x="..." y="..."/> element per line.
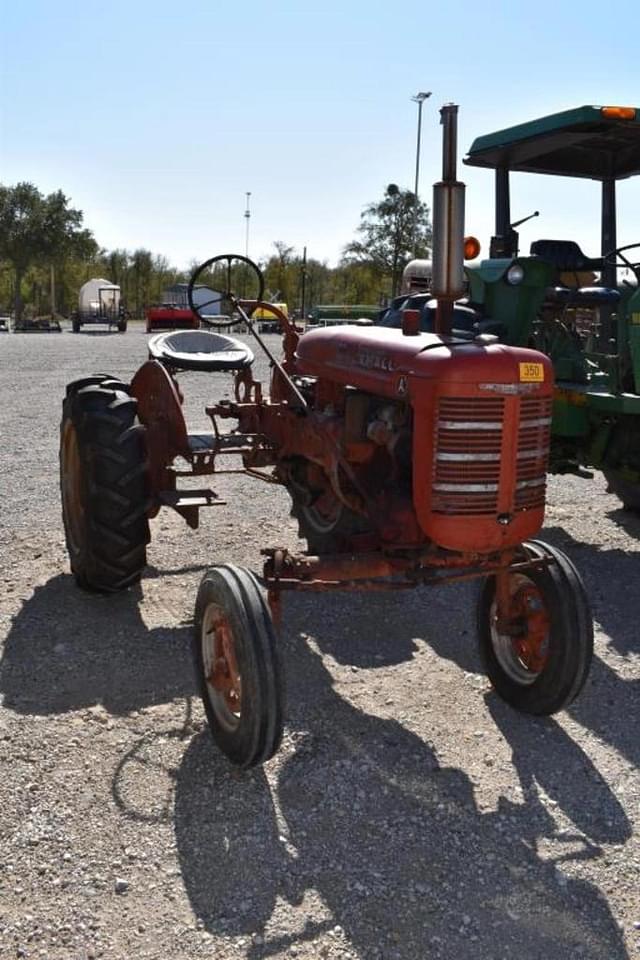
<point x="541" y="663"/>
<point x="237" y="666"/>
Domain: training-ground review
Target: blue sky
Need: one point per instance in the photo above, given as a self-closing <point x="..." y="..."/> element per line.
<point x="156" y="118"/>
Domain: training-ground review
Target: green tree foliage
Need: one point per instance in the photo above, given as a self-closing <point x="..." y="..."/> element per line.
<point x="38" y="233"/>
<point x="386" y="241"/>
<point x="282" y="273"/>
<point x="36" y="230"/>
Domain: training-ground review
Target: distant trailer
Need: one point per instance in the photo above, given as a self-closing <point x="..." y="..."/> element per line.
<point x="46" y="324"/>
<point x="99" y="303"/>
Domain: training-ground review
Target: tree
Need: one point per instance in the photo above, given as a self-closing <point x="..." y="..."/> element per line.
<point x="142" y="269"/>
<point x="35" y="229"/>
<point x="281" y="271"/>
<point x="387" y="232"/>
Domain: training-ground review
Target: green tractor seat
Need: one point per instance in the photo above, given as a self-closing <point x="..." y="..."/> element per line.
<point x="565" y="255"/>
<point x="199" y="350"/>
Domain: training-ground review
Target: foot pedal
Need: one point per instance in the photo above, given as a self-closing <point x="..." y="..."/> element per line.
<point x="202" y="442"/>
<point x="188" y="502"/>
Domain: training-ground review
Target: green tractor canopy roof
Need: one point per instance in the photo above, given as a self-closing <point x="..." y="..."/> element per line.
<point x="601" y="143"/>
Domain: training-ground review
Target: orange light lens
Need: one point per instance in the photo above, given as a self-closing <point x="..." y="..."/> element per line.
<point x="471" y="248"/>
<point x="619" y="113"/>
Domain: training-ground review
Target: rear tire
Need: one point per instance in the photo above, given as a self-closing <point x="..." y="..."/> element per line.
<point x="325" y="538"/>
<point x="544" y="668"/>
<point x="625" y="490"/>
<point x="237" y="666"/>
<point x="104" y="484"/>
<point x="323" y="520"/>
<point x="104" y="379"/>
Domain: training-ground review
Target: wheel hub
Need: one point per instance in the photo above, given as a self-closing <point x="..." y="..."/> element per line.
<point x="520" y="634"/>
<point x="533" y="645"/>
<point x="221" y="667"/>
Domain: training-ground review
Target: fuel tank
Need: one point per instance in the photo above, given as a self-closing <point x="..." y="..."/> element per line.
<point x="481" y="425"/>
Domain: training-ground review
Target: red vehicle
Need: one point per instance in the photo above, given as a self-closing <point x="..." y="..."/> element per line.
<point x="411" y="459"/>
<point x="171" y="316"/>
<point x="176" y="313"/>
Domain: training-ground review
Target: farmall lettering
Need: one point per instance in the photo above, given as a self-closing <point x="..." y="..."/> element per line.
<point x="367" y="358"/>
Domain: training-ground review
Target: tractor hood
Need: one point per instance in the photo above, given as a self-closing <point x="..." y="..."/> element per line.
<point x="385" y="362"/>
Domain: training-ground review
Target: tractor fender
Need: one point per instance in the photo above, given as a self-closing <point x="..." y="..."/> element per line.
<point x="160" y="410"/>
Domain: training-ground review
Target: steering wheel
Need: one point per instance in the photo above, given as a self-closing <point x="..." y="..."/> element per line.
<point x="614" y="256"/>
<point x="218" y="285"/>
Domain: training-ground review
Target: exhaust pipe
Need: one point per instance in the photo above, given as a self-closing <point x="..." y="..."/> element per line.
<point x="447" y="283"/>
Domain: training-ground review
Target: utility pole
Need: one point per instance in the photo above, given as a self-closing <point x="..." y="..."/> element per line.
<point x="304" y="282"/>
<point x="53" y="292"/>
<point x="247" y="217"/>
<point x="419" y="99"/>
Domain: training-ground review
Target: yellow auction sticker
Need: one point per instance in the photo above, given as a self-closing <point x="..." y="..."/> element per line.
<point x="531" y="373"/>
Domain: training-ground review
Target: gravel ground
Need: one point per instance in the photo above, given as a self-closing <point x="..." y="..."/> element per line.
<point x="409" y="813"/>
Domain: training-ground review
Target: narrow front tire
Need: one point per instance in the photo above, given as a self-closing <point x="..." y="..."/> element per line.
<point x="541" y="663"/>
<point x="237" y="666"/>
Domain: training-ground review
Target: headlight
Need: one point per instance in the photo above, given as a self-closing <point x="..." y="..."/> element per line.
<point x="515" y="274"/>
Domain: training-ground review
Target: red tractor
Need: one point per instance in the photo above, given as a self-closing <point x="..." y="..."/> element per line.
<point x="412" y="459"/>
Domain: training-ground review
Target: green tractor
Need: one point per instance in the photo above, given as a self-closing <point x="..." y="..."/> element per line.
<point x="584" y="312"/>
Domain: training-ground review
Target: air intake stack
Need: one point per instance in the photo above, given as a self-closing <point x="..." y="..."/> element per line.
<point x="447" y="284"/>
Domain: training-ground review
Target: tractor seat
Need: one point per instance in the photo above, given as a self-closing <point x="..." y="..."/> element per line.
<point x="199" y="350"/>
<point x="565" y="255"/>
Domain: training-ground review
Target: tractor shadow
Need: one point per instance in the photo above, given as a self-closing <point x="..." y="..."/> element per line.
<point x="67" y="649"/>
<point x="381" y="629"/>
<point x="378" y="630"/>
<point x="360" y="827"/>
<point x="397" y="622"/>
<point x="609" y="704"/>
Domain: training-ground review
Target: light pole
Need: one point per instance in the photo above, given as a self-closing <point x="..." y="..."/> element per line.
<point x="247" y="216"/>
<point x="419" y="99"/>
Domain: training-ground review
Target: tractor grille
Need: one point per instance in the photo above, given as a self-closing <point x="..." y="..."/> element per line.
<point x="468" y="453"/>
<point x="534" y="437"/>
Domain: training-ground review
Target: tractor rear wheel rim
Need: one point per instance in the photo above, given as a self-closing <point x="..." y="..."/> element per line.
<point x="522" y="656"/>
<point x="221" y="671"/>
<point x="72" y="486"/>
<point x="323" y="514"/>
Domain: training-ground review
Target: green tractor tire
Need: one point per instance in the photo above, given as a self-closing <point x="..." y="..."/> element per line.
<point x="625" y="490"/>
